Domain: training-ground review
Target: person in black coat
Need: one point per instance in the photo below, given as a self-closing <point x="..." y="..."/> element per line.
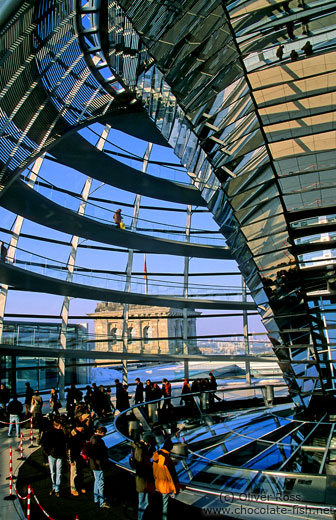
<point x="14" y="409"/>
<point x="213" y="386"/>
<point x="54" y="402"/>
<point x="100" y="403"/>
<point x="156" y="392"/>
<point x="124" y="403"/>
<point x="119" y="394"/>
<point x="196" y="386"/>
<point x="148" y="391"/>
<point x="28" y="398"/>
<point x="98" y="461"/>
<point x="308" y="49"/>
<point x="139" y="390"/>
<point x="109" y="406"/>
<point x="71" y="399"/>
<point x="54" y="445"/>
<point x="4" y="396"/>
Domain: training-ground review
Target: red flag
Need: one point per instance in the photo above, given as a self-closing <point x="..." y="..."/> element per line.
<point x="145" y="274"/>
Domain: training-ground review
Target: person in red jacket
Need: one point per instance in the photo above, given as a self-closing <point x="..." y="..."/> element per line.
<point x="187" y="399"/>
<point x="166" y="393"/>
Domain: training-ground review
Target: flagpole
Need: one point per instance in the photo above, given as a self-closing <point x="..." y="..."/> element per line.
<point x="145" y="274"/>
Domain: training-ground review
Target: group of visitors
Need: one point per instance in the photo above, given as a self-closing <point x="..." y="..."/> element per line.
<point x="76" y="440"/>
<point x="290" y="25"/>
<point x="97" y="399"/>
<point x="154" y="470"/>
<point x="82" y="439"/>
<point x="152" y="391"/>
<point x="63" y="437"/>
<point x="149" y="392"/>
<point x="14" y="408"/>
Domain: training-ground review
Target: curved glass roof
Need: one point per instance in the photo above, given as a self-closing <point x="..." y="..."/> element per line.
<point x="242" y="91"/>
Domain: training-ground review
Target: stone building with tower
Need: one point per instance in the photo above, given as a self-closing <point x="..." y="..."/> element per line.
<point x="150" y="329"/>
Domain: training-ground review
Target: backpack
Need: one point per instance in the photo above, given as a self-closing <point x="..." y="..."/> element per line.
<point x="132" y="462"/>
<point x="86" y="451"/>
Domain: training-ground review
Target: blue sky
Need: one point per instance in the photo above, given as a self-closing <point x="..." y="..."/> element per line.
<point x="66" y="178"/>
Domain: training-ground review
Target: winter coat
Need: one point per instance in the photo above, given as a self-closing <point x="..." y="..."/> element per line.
<point x="14" y="407"/>
<point x="156" y="392"/>
<point x="119" y="397"/>
<point x="98" y="453"/>
<point x="166" y="390"/>
<point x="4" y="395"/>
<point x="148" y="392"/>
<point x="213" y="383"/>
<point x="123" y="400"/>
<point x="76" y="442"/>
<point x="139" y="390"/>
<point x="54" y="443"/>
<point x="28" y="395"/>
<point x="144" y="479"/>
<point x="185" y="389"/>
<point x="36" y="405"/>
<point x="165" y="476"/>
<point x="54" y="403"/>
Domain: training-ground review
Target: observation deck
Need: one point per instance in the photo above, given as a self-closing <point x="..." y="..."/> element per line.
<point x="232" y="455"/>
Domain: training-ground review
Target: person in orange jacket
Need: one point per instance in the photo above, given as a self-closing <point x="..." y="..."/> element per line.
<point x="165" y="477"/>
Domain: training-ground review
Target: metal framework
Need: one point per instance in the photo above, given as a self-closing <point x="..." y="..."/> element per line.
<point x="242" y="91"/>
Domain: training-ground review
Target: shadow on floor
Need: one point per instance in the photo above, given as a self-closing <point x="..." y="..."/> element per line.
<point x="119" y="489"/>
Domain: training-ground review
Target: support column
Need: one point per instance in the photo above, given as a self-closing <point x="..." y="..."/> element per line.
<point x="129" y="267"/>
<point x="185" y="294"/>
<point x="70" y="267"/>
<point x="246" y="336"/>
